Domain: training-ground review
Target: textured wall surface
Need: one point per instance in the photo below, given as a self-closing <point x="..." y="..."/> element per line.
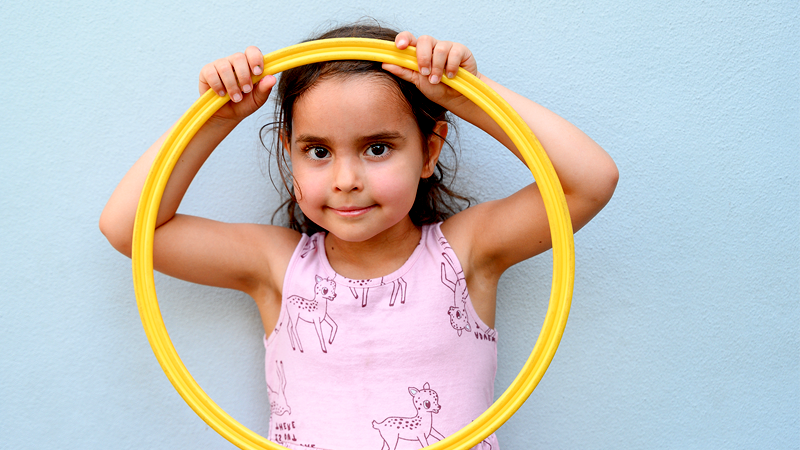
<point x="684" y="329"/>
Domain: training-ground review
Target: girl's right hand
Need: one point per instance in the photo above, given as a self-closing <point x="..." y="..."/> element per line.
<point x="232" y="75"/>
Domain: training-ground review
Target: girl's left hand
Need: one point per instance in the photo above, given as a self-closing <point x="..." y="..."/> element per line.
<point x="436" y="59"/>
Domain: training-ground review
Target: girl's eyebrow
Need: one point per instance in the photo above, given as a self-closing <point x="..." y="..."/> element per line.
<point x="384" y="136"/>
<point x="309" y="138"/>
<point x="379" y="136"/>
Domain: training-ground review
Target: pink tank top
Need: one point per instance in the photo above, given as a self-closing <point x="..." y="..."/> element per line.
<point x="363" y="364"/>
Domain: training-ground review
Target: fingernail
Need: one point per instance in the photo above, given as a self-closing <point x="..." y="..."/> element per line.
<point x="450" y="74"/>
<point x="402" y="42"/>
<point x="425" y="71"/>
<point x="237" y="98"/>
<point x="246" y="88"/>
<point x="434" y="79"/>
<point x="221" y="93"/>
<point x="257" y="71"/>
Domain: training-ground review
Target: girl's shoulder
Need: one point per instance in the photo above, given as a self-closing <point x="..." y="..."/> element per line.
<point x="461" y="230"/>
<point x="494" y="235"/>
<point x="481" y="234"/>
<point x="278" y="243"/>
<point x="271" y="248"/>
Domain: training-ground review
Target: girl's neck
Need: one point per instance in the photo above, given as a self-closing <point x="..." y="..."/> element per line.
<point x="376" y="257"/>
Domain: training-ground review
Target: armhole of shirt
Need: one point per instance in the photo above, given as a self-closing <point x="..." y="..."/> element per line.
<point x="304" y="238"/>
<point x="470" y="307"/>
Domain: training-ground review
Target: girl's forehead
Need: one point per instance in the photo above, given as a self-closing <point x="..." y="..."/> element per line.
<point x="353" y="103"/>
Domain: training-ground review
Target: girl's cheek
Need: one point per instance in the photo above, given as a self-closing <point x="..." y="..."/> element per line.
<point x="401" y="193"/>
<point x="304" y="183"/>
<point x="309" y="192"/>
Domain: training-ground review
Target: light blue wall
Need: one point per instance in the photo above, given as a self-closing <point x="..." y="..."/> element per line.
<point x="684" y="330"/>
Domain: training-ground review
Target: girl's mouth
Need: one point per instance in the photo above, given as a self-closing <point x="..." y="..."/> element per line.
<point x="352" y="211"/>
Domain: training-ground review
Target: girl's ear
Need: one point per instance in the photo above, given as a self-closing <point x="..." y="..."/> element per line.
<point x="435" y="144"/>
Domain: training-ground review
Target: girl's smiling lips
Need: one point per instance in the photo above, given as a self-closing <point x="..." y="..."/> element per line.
<point x="352" y="211"/>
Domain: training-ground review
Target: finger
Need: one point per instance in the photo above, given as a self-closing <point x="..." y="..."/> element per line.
<point x="405" y="39"/>
<point x="400" y="72"/>
<point x="256" y="59"/>
<point x="209" y="79"/>
<point x="468" y="62"/>
<point x="454" y="60"/>
<point x="425" y="46"/>
<point x="241" y="69"/>
<point x="438" y="61"/>
<point x="262" y="90"/>
<point x="228" y="77"/>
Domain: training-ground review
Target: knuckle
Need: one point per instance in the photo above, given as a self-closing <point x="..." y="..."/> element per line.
<point x="207" y="72"/>
<point x="209" y="76"/>
<point x="222" y="65"/>
<point x="225" y="71"/>
<point x="441" y="50"/>
<point x="236" y="59"/>
<point x="254" y="54"/>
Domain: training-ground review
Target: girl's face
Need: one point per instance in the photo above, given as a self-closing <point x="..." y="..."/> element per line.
<point x="357" y="157"/>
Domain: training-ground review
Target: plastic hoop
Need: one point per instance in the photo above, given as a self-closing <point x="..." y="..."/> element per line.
<point x="381" y="51"/>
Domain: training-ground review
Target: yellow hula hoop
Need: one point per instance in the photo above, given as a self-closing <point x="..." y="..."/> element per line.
<point x="468" y="85"/>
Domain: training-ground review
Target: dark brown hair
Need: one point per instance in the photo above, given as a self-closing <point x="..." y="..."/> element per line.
<point x="434" y="201"/>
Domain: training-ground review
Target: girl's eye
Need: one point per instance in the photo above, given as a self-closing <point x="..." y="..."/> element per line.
<point x="317" y="152"/>
<point x="378" y="150"/>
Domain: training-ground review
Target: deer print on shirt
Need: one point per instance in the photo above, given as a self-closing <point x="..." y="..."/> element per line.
<point x="277" y="399"/>
<point x="314" y="311"/>
<point x="483" y="445"/>
<point x="417" y="428"/>
<point x="459" y="319"/>
<point x="399" y="287"/>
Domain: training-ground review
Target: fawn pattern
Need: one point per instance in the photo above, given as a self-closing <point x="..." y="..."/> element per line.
<point x="483" y="445"/>
<point x="314" y="311"/>
<point x="277" y="398"/>
<point x="417" y="428"/>
<point x="399" y="288"/>
<point x="459" y="319"/>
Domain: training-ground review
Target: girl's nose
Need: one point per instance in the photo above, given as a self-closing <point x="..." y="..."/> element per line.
<point x="347" y="176"/>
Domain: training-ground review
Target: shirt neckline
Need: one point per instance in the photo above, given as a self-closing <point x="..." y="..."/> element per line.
<point x="371" y="282"/>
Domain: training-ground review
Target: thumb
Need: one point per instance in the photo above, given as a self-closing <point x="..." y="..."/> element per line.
<point x="401" y="72"/>
<point x="262" y="89"/>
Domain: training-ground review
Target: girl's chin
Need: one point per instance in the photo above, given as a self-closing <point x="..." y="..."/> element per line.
<point x="362" y="231"/>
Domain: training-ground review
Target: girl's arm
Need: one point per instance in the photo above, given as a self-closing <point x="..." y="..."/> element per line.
<point x="494" y="235"/>
<point x="191" y="248"/>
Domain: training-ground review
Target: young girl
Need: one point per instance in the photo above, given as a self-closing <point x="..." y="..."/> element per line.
<point x="379" y="326"/>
